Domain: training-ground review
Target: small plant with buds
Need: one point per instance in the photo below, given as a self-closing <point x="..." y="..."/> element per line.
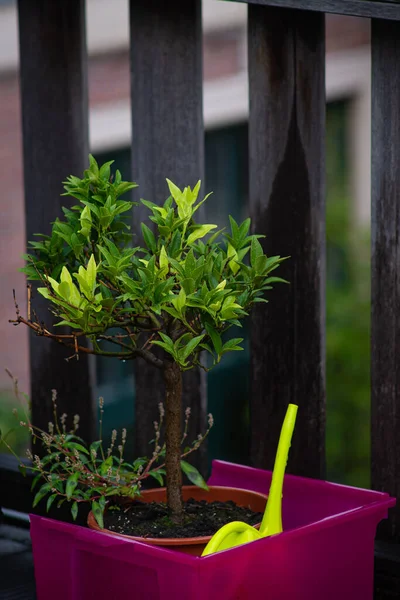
<point x="79" y="473"/>
<point x="168" y="302"/>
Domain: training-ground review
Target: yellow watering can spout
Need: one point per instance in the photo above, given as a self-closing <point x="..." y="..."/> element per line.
<point x="272" y="519"/>
<point x="237" y="533"/>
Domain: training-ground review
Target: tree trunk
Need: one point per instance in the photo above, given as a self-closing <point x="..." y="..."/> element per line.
<point x="173" y="436"/>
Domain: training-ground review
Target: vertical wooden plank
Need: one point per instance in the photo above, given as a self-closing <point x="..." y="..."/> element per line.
<point x="167" y="141"/>
<point x="287" y="171"/>
<point x="385" y="326"/>
<point x="55" y="144"/>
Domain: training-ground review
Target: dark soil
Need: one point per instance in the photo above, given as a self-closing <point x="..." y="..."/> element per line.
<point x="201" y="519"/>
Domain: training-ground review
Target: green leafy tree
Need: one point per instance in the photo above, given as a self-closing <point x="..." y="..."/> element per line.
<point x="168" y="302"/>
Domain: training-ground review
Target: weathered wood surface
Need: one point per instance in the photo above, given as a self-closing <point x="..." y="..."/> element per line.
<point x="385" y="326"/>
<point x="167" y="141"/>
<point x="287" y="171"/>
<point x="380" y="9"/>
<point x="55" y="144"/>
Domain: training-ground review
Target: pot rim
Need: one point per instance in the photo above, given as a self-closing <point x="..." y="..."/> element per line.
<point x="92" y="523"/>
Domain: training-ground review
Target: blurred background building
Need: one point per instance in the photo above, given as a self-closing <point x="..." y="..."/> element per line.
<point x="225" y="116"/>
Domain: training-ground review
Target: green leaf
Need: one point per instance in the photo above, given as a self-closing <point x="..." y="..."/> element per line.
<point x="76" y="245"/>
<point x="260" y="264"/>
<point x="50" y="501"/>
<point x="35" y="480"/>
<point x="93" y="165"/>
<point x="190" y="347"/>
<point x="71" y="484"/>
<point x="215" y="338"/>
<point x="105" y="170"/>
<point x="202" y="201"/>
<point x="124" y="187"/>
<point x="190" y="263"/>
<point x="232" y="345"/>
<point x="193" y="475"/>
<point x="164" y="346"/>
<point x="157" y="476"/>
<point x="139" y="462"/>
<point x="171" y="311"/>
<point x="76" y="446"/>
<point x="234" y="229"/>
<point x="44" y="490"/>
<point x="168" y="341"/>
<point x="244" y="229"/>
<point x="208" y="348"/>
<point x="174" y="245"/>
<point x="74" y="510"/>
<point x="276" y="280"/>
<point x="179" y="268"/>
<point x="98" y="513"/>
<point x="105" y="465"/>
<point x="188" y="285"/>
<point x="149" y="238"/>
<point x="255" y="251"/>
<point x="180" y="301"/>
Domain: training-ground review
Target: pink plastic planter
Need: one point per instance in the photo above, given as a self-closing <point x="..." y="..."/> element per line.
<point x="325" y="553"/>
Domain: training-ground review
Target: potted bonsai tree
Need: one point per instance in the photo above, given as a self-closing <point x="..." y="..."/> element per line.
<point x="169" y="303"/>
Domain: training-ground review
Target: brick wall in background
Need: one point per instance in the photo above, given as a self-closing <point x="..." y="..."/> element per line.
<point x="224" y="55"/>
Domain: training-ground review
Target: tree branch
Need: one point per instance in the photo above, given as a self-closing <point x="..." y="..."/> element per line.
<point x="70" y="341"/>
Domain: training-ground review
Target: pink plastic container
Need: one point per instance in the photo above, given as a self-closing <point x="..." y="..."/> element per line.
<point x="326" y="552"/>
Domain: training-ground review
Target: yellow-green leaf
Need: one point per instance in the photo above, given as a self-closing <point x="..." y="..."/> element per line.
<point x="64" y="290"/>
<point x="174" y="191"/>
<point x="65" y="276"/>
<point x="54" y="284"/>
<point x="196" y="190"/>
<point x="233" y="265"/>
<point x="83" y="284"/>
<point x="162" y="211"/>
<point x="91" y="273"/>
<point x="180" y="300"/>
<point x="86" y="222"/>
<point x="45" y="292"/>
<point x="164" y="262"/>
<point x="200" y="232"/>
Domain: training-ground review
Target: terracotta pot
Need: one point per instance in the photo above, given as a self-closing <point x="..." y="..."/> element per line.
<point x="196" y="545"/>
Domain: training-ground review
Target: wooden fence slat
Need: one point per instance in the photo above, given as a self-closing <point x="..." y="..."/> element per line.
<point x="381" y="9"/>
<point x="387" y="571"/>
<point x="385" y="326"/>
<point x="55" y="144"/>
<point x="287" y="172"/>
<point x="167" y="141"/>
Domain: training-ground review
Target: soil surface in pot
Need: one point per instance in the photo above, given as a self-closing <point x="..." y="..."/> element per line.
<point x="201" y="518"/>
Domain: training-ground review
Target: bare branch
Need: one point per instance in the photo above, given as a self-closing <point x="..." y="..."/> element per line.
<point x="70" y="341"/>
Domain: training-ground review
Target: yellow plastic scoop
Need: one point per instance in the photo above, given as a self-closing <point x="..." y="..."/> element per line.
<point x="237" y="533"/>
